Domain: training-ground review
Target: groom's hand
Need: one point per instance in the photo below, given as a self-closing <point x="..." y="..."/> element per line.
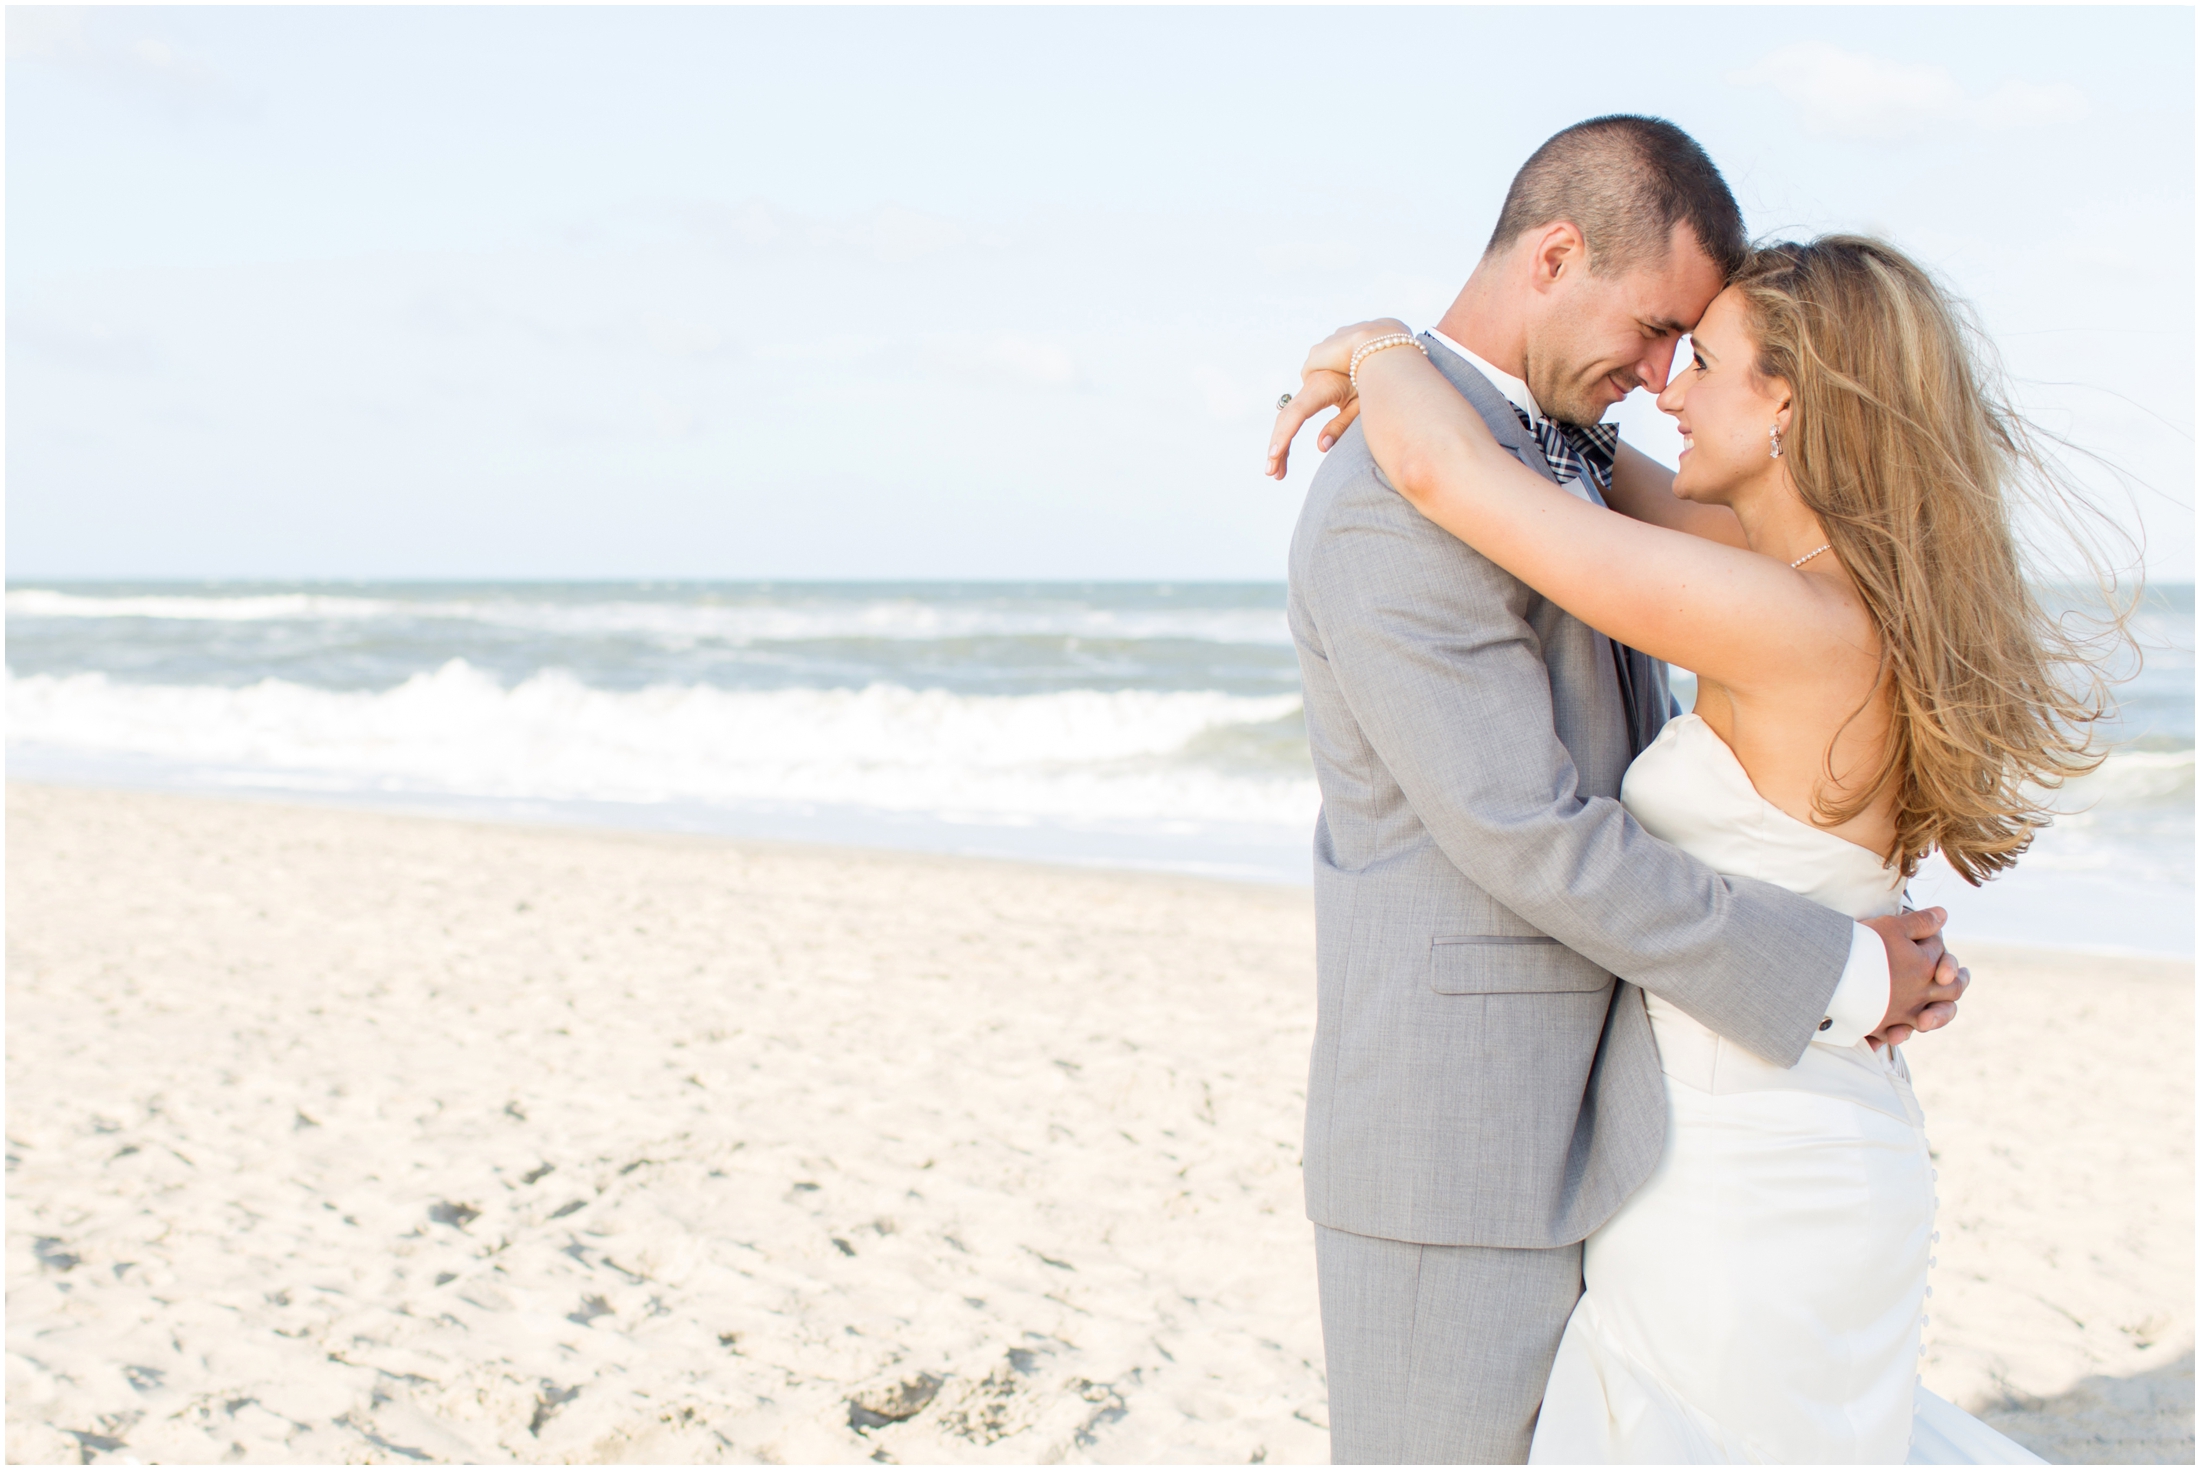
<point x="1924" y="982"/>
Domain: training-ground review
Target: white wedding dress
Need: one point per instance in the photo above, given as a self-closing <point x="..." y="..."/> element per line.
<point x="1760" y="1299"/>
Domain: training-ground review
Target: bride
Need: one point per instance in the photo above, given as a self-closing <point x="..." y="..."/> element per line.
<point x="1835" y="560"/>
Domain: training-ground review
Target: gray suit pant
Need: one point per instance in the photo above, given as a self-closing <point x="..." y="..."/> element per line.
<point x="1438" y="1353"/>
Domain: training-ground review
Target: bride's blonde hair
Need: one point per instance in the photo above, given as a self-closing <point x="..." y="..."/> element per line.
<point x="1902" y="442"/>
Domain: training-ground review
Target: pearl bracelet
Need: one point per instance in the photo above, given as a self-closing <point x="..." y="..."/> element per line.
<point x="1395" y="339"/>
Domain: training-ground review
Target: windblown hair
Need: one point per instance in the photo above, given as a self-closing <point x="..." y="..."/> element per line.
<point x="1902" y="442"/>
<point x="1624" y="182"/>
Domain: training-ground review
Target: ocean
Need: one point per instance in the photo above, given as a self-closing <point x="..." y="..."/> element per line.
<point x="1145" y="725"/>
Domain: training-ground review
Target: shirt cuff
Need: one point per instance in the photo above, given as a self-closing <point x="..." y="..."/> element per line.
<point x="1859" y="1002"/>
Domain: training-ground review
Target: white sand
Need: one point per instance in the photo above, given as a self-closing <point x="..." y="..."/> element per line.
<point x="339" y="1136"/>
<point x="2061" y="1110"/>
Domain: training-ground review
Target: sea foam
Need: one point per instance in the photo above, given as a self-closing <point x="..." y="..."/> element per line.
<point x="1145" y="725"/>
<point x="1138" y="755"/>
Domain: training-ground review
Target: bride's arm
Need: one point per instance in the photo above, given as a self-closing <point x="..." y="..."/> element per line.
<point x="1730" y="614"/>
<point x="1643" y="489"/>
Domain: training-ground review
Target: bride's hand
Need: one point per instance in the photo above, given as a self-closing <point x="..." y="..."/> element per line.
<point x="1317" y="390"/>
<point x="1323" y="383"/>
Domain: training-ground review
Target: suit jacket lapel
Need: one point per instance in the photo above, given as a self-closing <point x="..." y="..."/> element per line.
<point x="1642" y="689"/>
<point x="1496" y="409"/>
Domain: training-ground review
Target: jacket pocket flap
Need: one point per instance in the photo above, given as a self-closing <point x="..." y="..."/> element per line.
<point x="1503" y="964"/>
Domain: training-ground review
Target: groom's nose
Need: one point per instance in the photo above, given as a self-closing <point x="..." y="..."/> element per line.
<point x="1656" y="366"/>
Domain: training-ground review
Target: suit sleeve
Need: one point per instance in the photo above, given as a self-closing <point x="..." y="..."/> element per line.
<point x="1430" y="645"/>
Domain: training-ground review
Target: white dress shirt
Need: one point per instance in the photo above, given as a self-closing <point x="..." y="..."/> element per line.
<point x="1514" y="390"/>
<point x="1860" y="1001"/>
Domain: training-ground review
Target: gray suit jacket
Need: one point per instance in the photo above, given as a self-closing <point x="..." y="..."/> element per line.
<point x="1478" y="1076"/>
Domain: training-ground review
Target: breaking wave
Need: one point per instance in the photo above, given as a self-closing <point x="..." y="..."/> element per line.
<point x="1091" y="755"/>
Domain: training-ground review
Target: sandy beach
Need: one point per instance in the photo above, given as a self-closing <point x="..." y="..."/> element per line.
<point x="344" y="1136"/>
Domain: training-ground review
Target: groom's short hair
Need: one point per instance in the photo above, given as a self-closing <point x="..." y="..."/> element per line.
<point x="1624" y="182"/>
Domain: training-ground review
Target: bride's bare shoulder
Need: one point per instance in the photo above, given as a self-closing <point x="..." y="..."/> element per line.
<point x="1838" y="617"/>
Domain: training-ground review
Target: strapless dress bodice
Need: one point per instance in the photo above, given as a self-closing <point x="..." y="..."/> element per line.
<point x="1689" y="789"/>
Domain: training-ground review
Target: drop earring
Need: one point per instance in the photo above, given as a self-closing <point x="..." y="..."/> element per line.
<point x="1776" y="440"/>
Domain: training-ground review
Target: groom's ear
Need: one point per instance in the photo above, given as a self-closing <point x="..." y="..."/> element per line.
<point x="1560" y="252"/>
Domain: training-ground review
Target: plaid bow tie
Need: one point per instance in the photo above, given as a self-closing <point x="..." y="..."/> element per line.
<point x="1573" y="453"/>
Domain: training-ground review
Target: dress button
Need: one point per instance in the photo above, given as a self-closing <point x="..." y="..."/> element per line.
<point x="1936" y="1237"/>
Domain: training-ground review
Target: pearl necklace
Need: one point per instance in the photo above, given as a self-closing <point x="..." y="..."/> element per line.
<point x="1806" y="556"/>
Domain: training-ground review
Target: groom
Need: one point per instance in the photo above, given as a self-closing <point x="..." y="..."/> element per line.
<point x="1484" y="1093"/>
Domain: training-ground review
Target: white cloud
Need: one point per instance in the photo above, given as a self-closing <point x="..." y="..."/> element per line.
<point x="46" y="33"/>
<point x="1002" y="359"/>
<point x="107" y="50"/>
<point x="85" y="345"/>
<point x="1318" y="258"/>
<point x="1230" y="397"/>
<point x="680" y="337"/>
<point x="894" y="235"/>
<point x="1850" y="94"/>
<point x="671" y="418"/>
<point x="889" y="233"/>
<point x="1036" y="361"/>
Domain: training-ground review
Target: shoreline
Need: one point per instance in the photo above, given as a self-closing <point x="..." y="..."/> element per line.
<point x="1257" y="857"/>
<point x="343" y="1134"/>
<point x="560" y="824"/>
<point x="744" y="828"/>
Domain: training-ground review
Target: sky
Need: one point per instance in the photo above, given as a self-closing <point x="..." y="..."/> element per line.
<point x="994" y="293"/>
